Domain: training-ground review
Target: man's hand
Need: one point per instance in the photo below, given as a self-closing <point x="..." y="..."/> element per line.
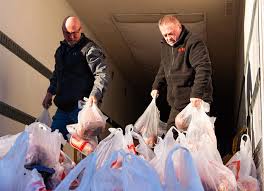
<point x="196" y="102"/>
<point x="92" y="100"/>
<point x="46" y="103"/>
<point x="154" y="93"/>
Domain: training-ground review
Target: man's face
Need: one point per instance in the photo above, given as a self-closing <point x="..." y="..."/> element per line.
<point x="72" y="32"/>
<point x="170" y="32"/>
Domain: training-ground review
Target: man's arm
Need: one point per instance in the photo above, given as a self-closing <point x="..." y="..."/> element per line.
<point x="96" y="62"/>
<point x="159" y="79"/>
<point x="47" y="101"/>
<point x="53" y="83"/>
<point x="200" y="61"/>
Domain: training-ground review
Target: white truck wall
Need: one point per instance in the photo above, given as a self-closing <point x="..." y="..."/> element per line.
<point x="35" y="25"/>
<point x="250" y="83"/>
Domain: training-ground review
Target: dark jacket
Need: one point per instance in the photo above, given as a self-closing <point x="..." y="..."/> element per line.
<point x="186" y="69"/>
<point x="80" y="71"/>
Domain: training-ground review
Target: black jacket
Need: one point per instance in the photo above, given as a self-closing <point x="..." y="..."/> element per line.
<point x="186" y="69"/>
<point x="80" y="71"/>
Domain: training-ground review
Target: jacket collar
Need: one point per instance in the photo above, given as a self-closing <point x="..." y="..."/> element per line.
<point x="82" y="39"/>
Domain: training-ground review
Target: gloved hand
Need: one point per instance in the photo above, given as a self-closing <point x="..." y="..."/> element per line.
<point x="47" y="101"/>
<point x="154" y="93"/>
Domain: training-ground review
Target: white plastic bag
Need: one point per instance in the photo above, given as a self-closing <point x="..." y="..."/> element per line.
<point x="113" y="142"/>
<point x="183" y="119"/>
<point x="200" y="134"/>
<point x="162" y="130"/>
<point x="91" y="121"/>
<point x="128" y="140"/>
<point x="200" y="140"/>
<point x="62" y="169"/>
<point x="108" y="177"/>
<point x="142" y="149"/>
<point x="36" y="182"/>
<point x="125" y="171"/>
<point x="6" y="142"/>
<point x="161" y="151"/>
<point x="72" y="128"/>
<point x="243" y="166"/>
<point x="180" y="171"/>
<point x="87" y="166"/>
<point x="45" y="118"/>
<point x="148" y="124"/>
<point x="44" y="145"/>
<point x="137" y="174"/>
<point x="12" y="166"/>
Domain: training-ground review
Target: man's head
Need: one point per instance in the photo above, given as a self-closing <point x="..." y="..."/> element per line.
<point x="71" y="28"/>
<point x="170" y="28"/>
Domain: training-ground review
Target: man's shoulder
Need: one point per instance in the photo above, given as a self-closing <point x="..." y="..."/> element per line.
<point x="87" y="41"/>
<point x="61" y="45"/>
<point x="194" y="38"/>
<point x="59" y="49"/>
<point x="90" y="45"/>
<point x="87" y="45"/>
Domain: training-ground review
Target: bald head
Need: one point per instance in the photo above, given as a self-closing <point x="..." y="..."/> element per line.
<point x="71" y="28"/>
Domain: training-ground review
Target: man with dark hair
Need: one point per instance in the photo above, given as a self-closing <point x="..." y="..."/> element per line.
<point x="80" y="71"/>
<point x="185" y="68"/>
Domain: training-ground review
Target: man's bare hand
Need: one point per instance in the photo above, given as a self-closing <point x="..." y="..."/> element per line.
<point x="92" y="100"/>
<point x="154" y="93"/>
<point x="47" y="101"/>
<point x="196" y="102"/>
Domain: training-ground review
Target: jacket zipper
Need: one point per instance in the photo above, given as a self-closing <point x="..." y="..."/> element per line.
<point x="172" y="54"/>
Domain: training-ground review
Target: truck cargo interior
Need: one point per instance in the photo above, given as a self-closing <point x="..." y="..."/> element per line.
<point x="127" y="31"/>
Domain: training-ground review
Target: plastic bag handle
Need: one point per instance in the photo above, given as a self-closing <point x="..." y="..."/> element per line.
<point x="170" y="177"/>
<point x="88" y="164"/>
<point x="245" y="144"/>
<point x="134" y="166"/>
<point x="205" y="107"/>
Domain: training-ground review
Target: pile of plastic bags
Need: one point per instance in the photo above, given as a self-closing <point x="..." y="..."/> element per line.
<point x="189" y="163"/>
<point x="243" y="166"/>
<point x="35" y="161"/>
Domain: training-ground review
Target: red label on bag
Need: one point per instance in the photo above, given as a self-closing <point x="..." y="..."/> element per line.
<point x="234" y="166"/>
<point x="116" y="164"/>
<point x="38" y="186"/>
<point x="77" y="142"/>
<point x="132" y="148"/>
<point x="84" y="146"/>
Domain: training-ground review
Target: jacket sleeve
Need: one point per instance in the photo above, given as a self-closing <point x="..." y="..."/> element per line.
<point x="159" y="79"/>
<point x="53" y="80"/>
<point x="96" y="62"/>
<point x="53" y="83"/>
<point x="200" y="61"/>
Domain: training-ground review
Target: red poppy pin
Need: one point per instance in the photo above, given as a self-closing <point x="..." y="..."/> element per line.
<point x="181" y="50"/>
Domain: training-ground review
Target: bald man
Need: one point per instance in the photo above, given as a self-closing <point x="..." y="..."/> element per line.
<point x="185" y="68"/>
<point x="80" y="71"/>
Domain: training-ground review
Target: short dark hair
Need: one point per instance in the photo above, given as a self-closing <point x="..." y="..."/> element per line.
<point x="168" y="19"/>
